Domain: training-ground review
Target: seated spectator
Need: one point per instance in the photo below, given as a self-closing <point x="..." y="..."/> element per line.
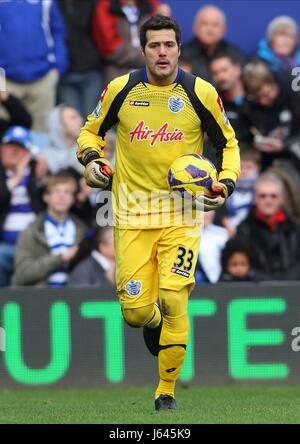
<point x="274" y="237"/>
<point x="239" y="262"/>
<point x="33" y="54"/>
<point x="116" y="32"/>
<point x="291" y="181"/>
<point x="227" y="76"/>
<point x="279" y="47"/>
<point x="214" y="237"/>
<point x="82" y="84"/>
<point x="15" y="113"/>
<point x="274" y="112"/>
<point x="64" y="124"/>
<point x="21" y="175"/>
<point x="98" y="269"/>
<point x="241" y="201"/>
<point x="209" y="30"/>
<point x="49" y="245"/>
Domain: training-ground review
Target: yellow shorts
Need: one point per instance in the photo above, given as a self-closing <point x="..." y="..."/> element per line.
<point x="150" y="259"/>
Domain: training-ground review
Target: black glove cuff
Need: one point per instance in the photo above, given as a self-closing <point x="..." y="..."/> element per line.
<point x="92" y="155"/>
<point x="229" y="184"/>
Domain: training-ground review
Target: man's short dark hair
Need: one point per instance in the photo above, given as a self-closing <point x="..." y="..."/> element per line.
<point x="227" y="55"/>
<point x="155" y="24"/>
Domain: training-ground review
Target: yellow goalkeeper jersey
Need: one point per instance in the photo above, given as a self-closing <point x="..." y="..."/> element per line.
<point x="155" y="125"/>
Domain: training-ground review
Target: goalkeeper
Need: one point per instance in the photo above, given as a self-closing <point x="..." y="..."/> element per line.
<point x="161" y="113"/>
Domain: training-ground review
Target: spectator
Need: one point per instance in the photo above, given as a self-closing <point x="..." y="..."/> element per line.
<point x="33" y="54"/>
<point x="98" y="269"/>
<point x="81" y="85"/>
<point x="209" y="29"/>
<point x="213" y="239"/>
<point x="279" y="47"/>
<point x="17" y="115"/>
<point x="64" y="124"/>
<point x="46" y="249"/>
<point x="116" y="32"/>
<point x="274" y="237"/>
<point x="227" y="76"/>
<point x="274" y="112"/>
<point x="163" y="9"/>
<point x="241" y="201"/>
<point x="20" y="174"/>
<point x="239" y="262"/>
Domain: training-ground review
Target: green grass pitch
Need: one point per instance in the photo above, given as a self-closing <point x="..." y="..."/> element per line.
<point x="196" y="405"/>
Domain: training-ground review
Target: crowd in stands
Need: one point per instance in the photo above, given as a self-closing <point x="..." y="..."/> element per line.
<point x="58" y="56"/>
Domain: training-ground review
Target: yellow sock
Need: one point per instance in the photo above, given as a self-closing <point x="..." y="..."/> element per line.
<point x="170" y="361"/>
<point x="173" y="339"/>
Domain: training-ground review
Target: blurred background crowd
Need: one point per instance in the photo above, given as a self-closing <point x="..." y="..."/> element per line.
<point x="57" y="56"/>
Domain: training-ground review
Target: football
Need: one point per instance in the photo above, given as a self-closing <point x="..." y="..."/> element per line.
<point x="192" y="174"/>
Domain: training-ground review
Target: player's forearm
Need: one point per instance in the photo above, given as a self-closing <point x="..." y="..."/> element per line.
<point x="230" y="161"/>
<point x="87" y="142"/>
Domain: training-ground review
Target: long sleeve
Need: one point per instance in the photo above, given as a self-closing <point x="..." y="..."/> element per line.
<point x="217" y="126"/>
<point x="101" y="119"/>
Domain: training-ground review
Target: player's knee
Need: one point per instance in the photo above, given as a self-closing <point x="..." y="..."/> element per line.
<point x="138" y="317"/>
<point x="173" y="303"/>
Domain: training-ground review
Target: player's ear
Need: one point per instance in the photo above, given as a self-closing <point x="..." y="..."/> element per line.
<point x="179" y="50"/>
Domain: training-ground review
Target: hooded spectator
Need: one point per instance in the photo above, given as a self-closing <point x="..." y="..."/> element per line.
<point x="64" y="124"/>
<point x="280" y="46"/>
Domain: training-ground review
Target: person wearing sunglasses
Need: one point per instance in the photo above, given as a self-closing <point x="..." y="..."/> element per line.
<point x="274" y="236"/>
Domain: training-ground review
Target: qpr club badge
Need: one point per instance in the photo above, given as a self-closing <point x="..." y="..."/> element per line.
<point x="133" y="287"/>
<point x="175" y="104"/>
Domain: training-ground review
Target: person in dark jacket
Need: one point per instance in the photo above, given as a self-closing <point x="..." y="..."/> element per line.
<point x="274" y="113"/>
<point x="33" y="53"/>
<point x="80" y="87"/>
<point x="98" y="269"/>
<point x="239" y="262"/>
<point x="116" y="26"/>
<point x="20" y="193"/>
<point x="17" y="114"/>
<point x="274" y="237"/>
<point x="209" y="30"/>
<point x="47" y="248"/>
<point x="227" y="76"/>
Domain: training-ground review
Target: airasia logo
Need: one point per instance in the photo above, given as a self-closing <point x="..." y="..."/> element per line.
<point x="142" y="132"/>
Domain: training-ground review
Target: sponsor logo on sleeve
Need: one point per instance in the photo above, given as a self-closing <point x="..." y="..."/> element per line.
<point x="180" y="272"/>
<point x="138" y="103"/>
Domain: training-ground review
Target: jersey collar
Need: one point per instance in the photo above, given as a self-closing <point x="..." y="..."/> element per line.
<point x="146" y="80"/>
